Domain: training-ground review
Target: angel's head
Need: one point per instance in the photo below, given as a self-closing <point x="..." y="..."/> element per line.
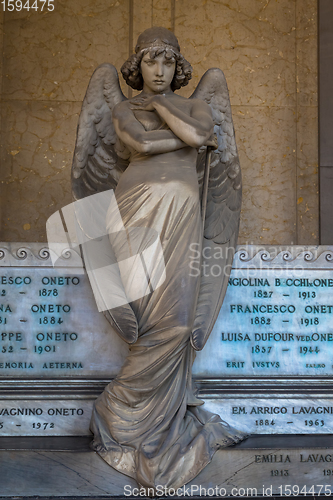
<point x="153" y="43"/>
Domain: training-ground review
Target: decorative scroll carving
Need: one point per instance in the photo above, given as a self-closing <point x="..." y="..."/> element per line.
<point x="281" y="257"/>
<point x="35" y="254"/>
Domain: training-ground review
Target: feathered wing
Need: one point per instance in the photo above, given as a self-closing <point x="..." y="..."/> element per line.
<point x="96" y="165"/>
<point x="223" y="206"/>
<point x="97" y="168"/>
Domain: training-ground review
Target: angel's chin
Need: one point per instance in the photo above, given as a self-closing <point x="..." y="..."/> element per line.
<point x="159" y="87"/>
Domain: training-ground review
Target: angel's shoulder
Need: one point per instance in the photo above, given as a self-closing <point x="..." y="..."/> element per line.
<point x="196" y="101"/>
<point x="200" y="105"/>
<point x="189" y="104"/>
<point x="121" y="109"/>
<point x="121" y="106"/>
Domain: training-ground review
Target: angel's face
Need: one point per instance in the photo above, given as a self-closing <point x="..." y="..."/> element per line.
<point x="157" y="73"/>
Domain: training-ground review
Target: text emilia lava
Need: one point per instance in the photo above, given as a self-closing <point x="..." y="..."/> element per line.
<point x="311" y="457"/>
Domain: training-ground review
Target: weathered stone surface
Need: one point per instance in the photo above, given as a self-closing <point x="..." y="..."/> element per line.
<point x="162" y="14"/>
<point x="306" y="52"/>
<point x="253" y="42"/>
<point x="307" y="122"/>
<point x="307" y="175"/>
<point x="59" y="474"/>
<point x="247" y="470"/>
<point x="268" y="53"/>
<point x="266" y="139"/>
<point x="38" y="139"/>
<point x="50" y="56"/>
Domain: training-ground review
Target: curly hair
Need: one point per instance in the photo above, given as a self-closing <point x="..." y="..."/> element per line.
<point x="132" y="73"/>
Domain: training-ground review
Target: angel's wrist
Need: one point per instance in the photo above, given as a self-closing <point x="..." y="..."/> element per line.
<point x="158" y="100"/>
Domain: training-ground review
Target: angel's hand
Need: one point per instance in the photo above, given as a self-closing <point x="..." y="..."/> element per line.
<point x="212" y="142"/>
<point x="143" y="103"/>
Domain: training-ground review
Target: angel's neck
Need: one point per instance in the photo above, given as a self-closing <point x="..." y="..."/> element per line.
<point x="150" y="93"/>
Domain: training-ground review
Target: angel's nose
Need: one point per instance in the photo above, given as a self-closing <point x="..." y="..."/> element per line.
<point x="159" y="69"/>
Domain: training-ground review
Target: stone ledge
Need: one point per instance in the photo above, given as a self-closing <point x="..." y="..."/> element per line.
<point x="82" y="443"/>
<point x="64" y="467"/>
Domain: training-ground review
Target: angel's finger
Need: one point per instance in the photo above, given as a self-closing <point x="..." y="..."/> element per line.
<point x="212" y="141"/>
<point x="140" y="99"/>
<point x="137" y="102"/>
<point x="138" y="107"/>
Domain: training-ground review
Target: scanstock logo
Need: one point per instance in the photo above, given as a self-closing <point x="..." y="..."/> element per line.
<point x="123" y="264"/>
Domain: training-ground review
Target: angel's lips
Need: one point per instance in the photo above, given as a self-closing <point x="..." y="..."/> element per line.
<point x="158" y="81"/>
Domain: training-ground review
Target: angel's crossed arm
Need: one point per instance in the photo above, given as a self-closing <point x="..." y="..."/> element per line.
<point x="185" y="130"/>
<point x="132" y="133"/>
<point x="194" y="128"/>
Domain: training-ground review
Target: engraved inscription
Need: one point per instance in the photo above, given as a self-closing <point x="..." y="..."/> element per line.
<point x="276" y="415"/>
<point x="272" y="322"/>
<point x="50" y="326"/>
<point x="45" y="418"/>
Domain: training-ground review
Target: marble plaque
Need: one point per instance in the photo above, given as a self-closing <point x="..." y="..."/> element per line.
<point x="45" y="417"/>
<point x="49" y="323"/>
<point x="276" y="319"/>
<point x="275" y="415"/>
<point x="267" y="472"/>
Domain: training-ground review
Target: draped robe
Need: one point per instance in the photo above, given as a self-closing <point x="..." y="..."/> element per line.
<point x="147" y="424"/>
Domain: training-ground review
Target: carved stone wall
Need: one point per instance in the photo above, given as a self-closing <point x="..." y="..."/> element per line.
<point x="267" y="49"/>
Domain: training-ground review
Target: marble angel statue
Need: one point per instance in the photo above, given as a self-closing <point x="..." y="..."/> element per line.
<point x="151" y="150"/>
